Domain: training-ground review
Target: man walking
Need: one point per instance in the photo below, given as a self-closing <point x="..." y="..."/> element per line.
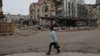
<point x="54" y="43"/>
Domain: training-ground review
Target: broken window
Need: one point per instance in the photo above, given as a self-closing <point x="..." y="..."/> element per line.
<point x="46" y="9"/>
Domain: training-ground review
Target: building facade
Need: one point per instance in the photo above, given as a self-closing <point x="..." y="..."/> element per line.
<point x="81" y="10"/>
<point x="54" y="8"/>
<point x="46" y="8"/>
<point x="81" y="13"/>
<point x="89" y="10"/>
<point x="70" y="8"/>
<point x="59" y="8"/>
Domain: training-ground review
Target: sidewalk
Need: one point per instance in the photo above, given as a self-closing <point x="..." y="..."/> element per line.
<point x="61" y="54"/>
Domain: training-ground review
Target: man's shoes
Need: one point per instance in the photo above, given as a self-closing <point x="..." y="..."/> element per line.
<point x="58" y="52"/>
<point x="48" y="53"/>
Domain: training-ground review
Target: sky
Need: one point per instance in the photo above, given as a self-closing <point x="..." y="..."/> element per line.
<point x="90" y="1"/>
<point x="22" y="6"/>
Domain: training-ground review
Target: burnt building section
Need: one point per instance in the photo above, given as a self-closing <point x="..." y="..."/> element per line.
<point x="82" y="12"/>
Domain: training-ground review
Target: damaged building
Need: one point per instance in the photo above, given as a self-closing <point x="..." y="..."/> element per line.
<point x="61" y="13"/>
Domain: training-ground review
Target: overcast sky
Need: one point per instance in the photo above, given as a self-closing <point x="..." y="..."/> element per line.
<point x="22" y="6"/>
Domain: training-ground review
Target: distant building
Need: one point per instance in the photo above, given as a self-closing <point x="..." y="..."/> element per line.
<point x="9" y="18"/>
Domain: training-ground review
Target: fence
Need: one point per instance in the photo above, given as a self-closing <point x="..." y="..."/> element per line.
<point x="7" y="28"/>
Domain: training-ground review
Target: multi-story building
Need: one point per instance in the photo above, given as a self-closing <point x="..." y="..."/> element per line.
<point x="46" y="8"/>
<point x="59" y="8"/>
<point x="71" y="7"/>
<point x="54" y="8"/>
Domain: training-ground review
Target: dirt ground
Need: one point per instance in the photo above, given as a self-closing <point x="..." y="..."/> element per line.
<point x="54" y="54"/>
<point x="38" y="41"/>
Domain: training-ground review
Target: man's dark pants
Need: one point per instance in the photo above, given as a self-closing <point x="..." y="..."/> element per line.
<point x="55" y="46"/>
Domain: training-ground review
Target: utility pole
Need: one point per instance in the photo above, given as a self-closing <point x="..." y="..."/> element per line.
<point x="1" y="12"/>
